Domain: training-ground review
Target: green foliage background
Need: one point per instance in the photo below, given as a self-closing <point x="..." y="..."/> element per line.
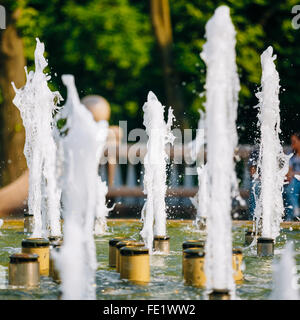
<point x="109" y="46"/>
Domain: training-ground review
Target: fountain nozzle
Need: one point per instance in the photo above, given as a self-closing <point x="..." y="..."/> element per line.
<point x="40" y="247"/>
<point x="265" y="247"/>
<point x="161" y="244"/>
<point x="28" y="222"/>
<point x="24" y="270"/>
<point x="219" y="294"/>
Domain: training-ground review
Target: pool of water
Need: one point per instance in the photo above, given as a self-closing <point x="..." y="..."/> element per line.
<point x="166" y="271"/>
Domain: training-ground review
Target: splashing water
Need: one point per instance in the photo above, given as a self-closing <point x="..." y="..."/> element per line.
<point x="101" y="189"/>
<point x="101" y="186"/>
<point x="37" y="103"/>
<point x="196" y="145"/>
<point x="272" y="163"/>
<point x="222" y="87"/>
<point x="201" y="200"/>
<point x="101" y="208"/>
<point x="159" y="133"/>
<point x="77" y="259"/>
<point x="285" y="276"/>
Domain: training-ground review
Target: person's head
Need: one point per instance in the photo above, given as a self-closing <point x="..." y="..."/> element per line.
<point x="295" y="141"/>
<point x="98" y="106"/>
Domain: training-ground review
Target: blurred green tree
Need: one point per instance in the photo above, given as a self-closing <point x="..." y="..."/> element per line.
<point x="111" y="48"/>
<point x="12" y="64"/>
<point x="259" y="23"/>
<point x="105" y="44"/>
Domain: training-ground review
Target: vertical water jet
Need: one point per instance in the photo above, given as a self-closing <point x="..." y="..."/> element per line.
<point x="37" y="103"/>
<point x="222" y="87"/>
<point x="285" y="276"/>
<point x="272" y="162"/>
<point x="76" y="260"/>
<point x="159" y="133"/>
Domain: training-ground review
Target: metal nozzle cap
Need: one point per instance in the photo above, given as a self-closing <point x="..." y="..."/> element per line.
<point x="28" y="214"/>
<point x="35" y="243"/>
<point x="265" y="240"/>
<point x="220" y="292"/>
<point x="133" y="251"/>
<point x="23" y="257"/>
<point x="55" y="238"/>
<point x="161" y="238"/>
<point x="56" y="245"/>
<point x="114" y="241"/>
<point x="194" y="253"/>
<point x="193" y="244"/>
<point x="124" y="243"/>
<point x="237" y="251"/>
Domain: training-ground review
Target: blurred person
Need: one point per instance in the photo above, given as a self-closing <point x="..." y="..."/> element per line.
<point x="254" y="184"/>
<point x="13" y="197"/>
<point x="292" y="190"/>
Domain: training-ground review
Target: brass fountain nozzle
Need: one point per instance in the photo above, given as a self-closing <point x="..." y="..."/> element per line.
<point x="53" y="271"/>
<point x="112" y="251"/>
<point x="265" y="247"/>
<point x="161" y="244"/>
<point x="188" y="244"/>
<point x="24" y="270"/>
<point x="40" y="247"/>
<point x="193" y="267"/>
<point x="219" y="294"/>
<point x="135" y="264"/>
<point x="121" y="244"/>
<point x="28" y="222"/>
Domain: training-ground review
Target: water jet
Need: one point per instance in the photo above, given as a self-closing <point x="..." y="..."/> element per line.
<point x="273" y="164"/>
<point x="222" y="88"/>
<point x="159" y="132"/>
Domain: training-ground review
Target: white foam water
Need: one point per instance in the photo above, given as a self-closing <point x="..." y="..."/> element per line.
<point x="37" y="103"/>
<point x="101" y="186"/>
<point x="200" y="140"/>
<point x="285" y="276"/>
<point x="222" y="87"/>
<point x="159" y="133"/>
<point x="77" y="258"/>
<point x="272" y="162"/>
<point x="201" y="200"/>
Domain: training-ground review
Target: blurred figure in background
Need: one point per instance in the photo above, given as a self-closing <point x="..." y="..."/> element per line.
<point x="254" y="185"/>
<point x="292" y="190"/>
<point x="13" y="197"/>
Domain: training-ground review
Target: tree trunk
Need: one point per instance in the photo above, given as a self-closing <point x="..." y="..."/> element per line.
<point x="12" y="62"/>
<point x="161" y="20"/>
